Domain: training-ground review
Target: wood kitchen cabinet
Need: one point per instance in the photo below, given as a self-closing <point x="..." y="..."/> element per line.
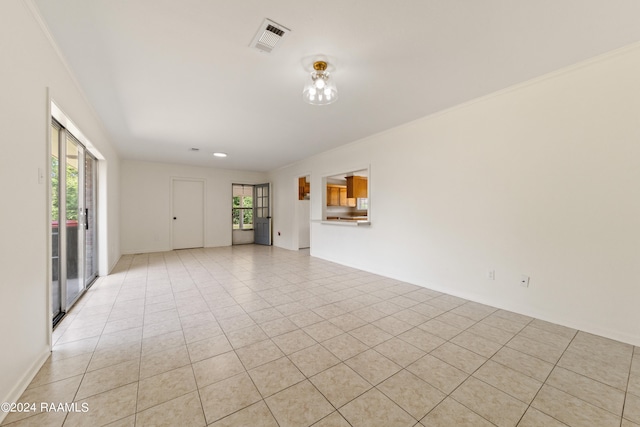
<point x="337" y="196"/>
<point x="357" y="187"/>
<point x="303" y="188"/>
<point x="333" y="195"/>
<point x="343" y="197"/>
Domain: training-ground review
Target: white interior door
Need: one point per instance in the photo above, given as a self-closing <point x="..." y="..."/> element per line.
<point x="188" y="213"/>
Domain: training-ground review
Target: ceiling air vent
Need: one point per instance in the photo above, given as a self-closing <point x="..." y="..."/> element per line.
<point x="268" y="36"/>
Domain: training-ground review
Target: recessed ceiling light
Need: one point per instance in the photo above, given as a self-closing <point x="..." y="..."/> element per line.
<point x="220" y="154"/>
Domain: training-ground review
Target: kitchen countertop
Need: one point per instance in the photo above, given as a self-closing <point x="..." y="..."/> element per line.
<point x="346" y="220"/>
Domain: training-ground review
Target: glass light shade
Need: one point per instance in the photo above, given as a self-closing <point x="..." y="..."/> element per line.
<point x="320" y="89"/>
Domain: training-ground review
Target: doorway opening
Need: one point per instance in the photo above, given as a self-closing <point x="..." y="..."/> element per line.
<point x="304" y="212"/>
<point x="242" y="214"/>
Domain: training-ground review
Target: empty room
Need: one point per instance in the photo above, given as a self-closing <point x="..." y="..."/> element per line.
<point x="419" y="213"/>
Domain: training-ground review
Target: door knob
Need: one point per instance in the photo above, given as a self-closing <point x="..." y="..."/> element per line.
<point x="175" y="217"/>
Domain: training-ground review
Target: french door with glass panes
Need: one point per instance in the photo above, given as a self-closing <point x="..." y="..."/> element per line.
<point x="262" y="214"/>
<point x="73" y="220"/>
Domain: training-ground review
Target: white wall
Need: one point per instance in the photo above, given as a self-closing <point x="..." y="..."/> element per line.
<point x="146" y="203"/>
<point x="304" y="224"/>
<point x="542" y="179"/>
<point x="242" y="237"/>
<point x="30" y="65"/>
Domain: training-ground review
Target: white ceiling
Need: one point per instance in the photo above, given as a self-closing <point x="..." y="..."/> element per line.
<point x="168" y="75"/>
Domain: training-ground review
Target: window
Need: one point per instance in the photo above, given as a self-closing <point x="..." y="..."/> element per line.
<point x="242" y="207"/>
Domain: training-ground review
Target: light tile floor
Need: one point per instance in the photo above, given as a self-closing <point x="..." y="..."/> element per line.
<point x="259" y="336"/>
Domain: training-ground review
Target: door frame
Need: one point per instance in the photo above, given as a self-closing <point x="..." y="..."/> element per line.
<point x="55" y="113"/>
<point x="241" y="232"/>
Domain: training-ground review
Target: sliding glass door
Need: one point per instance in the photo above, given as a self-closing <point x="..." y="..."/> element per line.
<point x="73" y="222"/>
<point x="74" y="252"/>
<point x="56" y="284"/>
<point x="90" y="235"/>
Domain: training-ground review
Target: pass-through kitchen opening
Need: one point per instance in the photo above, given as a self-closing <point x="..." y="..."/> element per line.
<point x="347" y="197"/>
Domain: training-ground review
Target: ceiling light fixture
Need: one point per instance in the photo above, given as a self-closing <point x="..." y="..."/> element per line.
<point x="321" y="90"/>
<point x="220" y="154"/>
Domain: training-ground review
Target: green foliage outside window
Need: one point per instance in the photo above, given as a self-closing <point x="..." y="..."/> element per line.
<point x="242" y="209"/>
<point x="72" y="191"/>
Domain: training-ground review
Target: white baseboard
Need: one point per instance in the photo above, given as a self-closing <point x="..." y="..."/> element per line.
<point x="21" y="386"/>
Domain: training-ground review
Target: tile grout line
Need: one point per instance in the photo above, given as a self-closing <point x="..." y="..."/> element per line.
<point x="626" y="391"/>
<point x="449" y="395"/>
<point x="245" y="371"/>
<point x="195" y="380"/>
<point x="121" y="285"/>
<point x="204" y="414"/>
<point x="545" y="383"/>
<point x="144" y="313"/>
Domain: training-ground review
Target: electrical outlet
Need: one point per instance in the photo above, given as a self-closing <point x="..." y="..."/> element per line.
<point x="491" y="274"/>
<point x="524" y="281"/>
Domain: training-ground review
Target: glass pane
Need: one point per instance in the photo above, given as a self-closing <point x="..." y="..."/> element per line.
<point x="235" y="217"/>
<point x="259" y="192"/>
<point x="247" y="219"/>
<point x="242" y="206"/>
<point x="56" y="292"/>
<point x="75" y="281"/>
<point x="91" y="264"/>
